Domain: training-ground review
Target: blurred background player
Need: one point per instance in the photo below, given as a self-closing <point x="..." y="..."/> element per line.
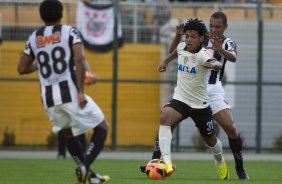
<point x="190" y="98"/>
<point x="58" y="50"/>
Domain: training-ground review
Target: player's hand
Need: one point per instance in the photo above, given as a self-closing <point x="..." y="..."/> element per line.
<point x="81" y="100"/>
<point x="216" y="42"/>
<point x="90" y="78"/>
<point x="162" y="67"/>
<point x="180" y="29"/>
<point x="208" y="65"/>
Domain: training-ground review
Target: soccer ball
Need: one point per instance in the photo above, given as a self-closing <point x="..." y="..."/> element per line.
<point x="156" y="169"/>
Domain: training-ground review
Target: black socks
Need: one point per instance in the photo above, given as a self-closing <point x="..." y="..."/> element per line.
<point x="156" y="152"/>
<point x="96" y="145"/>
<point x="236" y="147"/>
<point x="75" y="149"/>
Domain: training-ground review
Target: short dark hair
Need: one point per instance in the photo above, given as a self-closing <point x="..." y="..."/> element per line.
<point x="220" y="15"/>
<point x="51" y="10"/>
<point x="196" y="25"/>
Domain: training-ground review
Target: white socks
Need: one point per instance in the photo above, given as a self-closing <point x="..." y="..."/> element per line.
<point x="165" y="137"/>
<point x="217" y="152"/>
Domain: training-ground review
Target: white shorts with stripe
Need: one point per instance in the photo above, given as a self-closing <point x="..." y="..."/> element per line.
<point x="70" y="115"/>
<point x="216" y="95"/>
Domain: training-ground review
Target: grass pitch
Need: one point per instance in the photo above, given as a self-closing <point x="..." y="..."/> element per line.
<point x="35" y="171"/>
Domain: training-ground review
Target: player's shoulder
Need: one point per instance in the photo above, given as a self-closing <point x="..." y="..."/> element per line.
<point x="204" y="54"/>
<point x="67" y="28"/>
<point x="228" y="40"/>
<point x="181" y="45"/>
<point x="32" y="36"/>
<point x="204" y="51"/>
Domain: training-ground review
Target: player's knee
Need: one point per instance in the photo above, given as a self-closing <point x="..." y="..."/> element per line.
<point x="165" y="119"/>
<point x="210" y="140"/>
<point x="104" y="125"/>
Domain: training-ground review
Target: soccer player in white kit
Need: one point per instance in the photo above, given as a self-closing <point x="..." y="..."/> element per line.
<point x="58" y="52"/>
<point x="190" y="98"/>
<point x="223" y="49"/>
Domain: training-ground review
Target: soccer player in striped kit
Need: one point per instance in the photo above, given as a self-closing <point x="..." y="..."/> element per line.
<point x="223" y="49"/>
<point x="58" y="51"/>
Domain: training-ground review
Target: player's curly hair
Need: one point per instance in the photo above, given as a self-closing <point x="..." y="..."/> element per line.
<point x="51" y="11"/>
<point x="196" y="25"/>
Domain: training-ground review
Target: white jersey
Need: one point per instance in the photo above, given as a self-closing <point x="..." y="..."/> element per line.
<point x="51" y="46"/>
<point x="213" y="76"/>
<point x="191" y="85"/>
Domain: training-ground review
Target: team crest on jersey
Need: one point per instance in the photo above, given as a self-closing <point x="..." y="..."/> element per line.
<point x="186" y="69"/>
<point x="41" y="41"/>
<point x="194" y="59"/>
<point x="232" y="45"/>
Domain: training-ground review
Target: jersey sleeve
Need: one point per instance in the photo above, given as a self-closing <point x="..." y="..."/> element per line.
<point x="180" y="47"/>
<point x="28" y="49"/>
<point x="206" y="56"/>
<point x="76" y="36"/>
<point x="231" y="46"/>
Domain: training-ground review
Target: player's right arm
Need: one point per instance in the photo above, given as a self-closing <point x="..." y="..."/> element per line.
<point x="177" y="37"/>
<point x="162" y="66"/>
<point x="26" y="65"/>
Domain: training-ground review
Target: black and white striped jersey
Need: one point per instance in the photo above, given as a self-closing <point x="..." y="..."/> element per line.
<point x="51" y="46"/>
<point x="213" y="76"/>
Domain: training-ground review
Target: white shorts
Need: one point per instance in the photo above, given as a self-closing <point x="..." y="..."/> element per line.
<point x="70" y="115"/>
<point x="216" y="95"/>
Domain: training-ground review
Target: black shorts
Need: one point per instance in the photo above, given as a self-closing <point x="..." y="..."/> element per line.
<point x="201" y="117"/>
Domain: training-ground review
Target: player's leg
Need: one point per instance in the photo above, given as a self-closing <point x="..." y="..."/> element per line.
<point x="83" y="141"/>
<point x="96" y="143"/>
<point x="92" y="117"/>
<point x="216" y="128"/>
<point x="203" y="121"/>
<point x="95" y="147"/>
<point x="157" y="152"/>
<point x="74" y="146"/>
<point x="156" y="149"/>
<point x="61" y="146"/>
<point x="225" y="120"/>
<point x="169" y="116"/>
<point x="63" y="118"/>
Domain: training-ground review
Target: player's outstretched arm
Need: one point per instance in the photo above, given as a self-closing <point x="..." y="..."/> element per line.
<point x="214" y="65"/>
<point x="162" y="66"/>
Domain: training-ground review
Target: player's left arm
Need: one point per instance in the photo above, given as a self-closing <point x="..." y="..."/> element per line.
<point x="212" y="64"/>
<point x="230" y="55"/>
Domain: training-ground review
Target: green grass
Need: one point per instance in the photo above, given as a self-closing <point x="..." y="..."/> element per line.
<point x="29" y="171"/>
